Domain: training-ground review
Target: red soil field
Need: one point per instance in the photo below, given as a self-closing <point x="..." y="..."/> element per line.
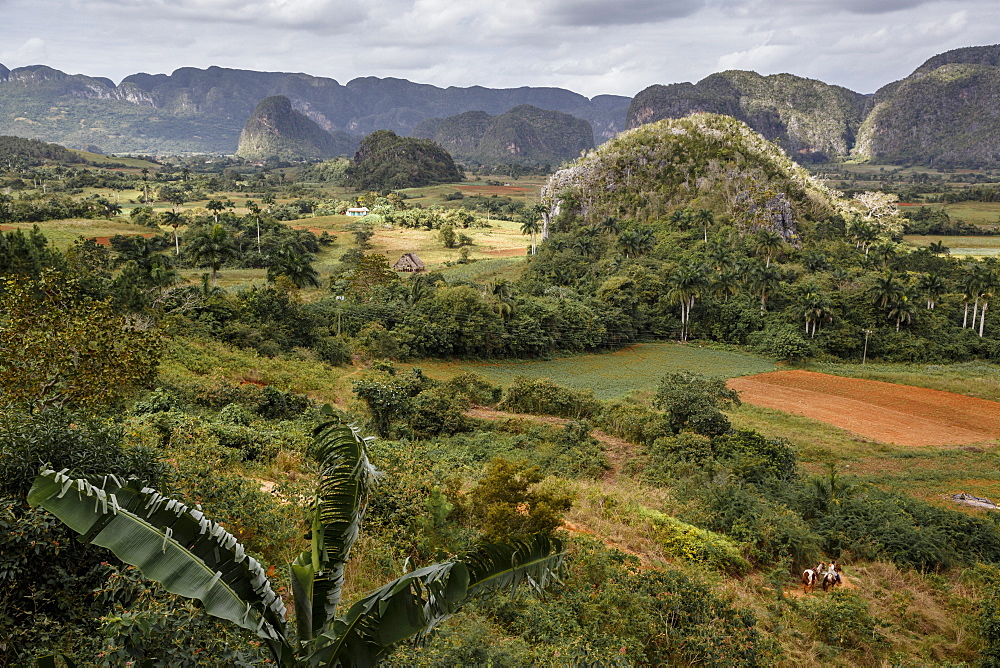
<point x="879" y="411"/>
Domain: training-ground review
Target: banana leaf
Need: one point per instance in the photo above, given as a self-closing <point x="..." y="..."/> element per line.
<point x="170" y="543"/>
<point x="345" y="484"/>
<point x="415" y="604"/>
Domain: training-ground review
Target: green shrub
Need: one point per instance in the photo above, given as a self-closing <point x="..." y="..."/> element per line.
<point x="541" y="396"/>
<point x="633" y="422"/>
<point x="843" y="619"/>
<point x="688" y="542"/>
<point x="608" y="611"/>
<point x="476" y="389"/>
<point x="772" y="532"/>
<point x="507" y="502"/>
<point x="693" y="402"/>
<point x="333" y="350"/>
<point x="436" y="411"/>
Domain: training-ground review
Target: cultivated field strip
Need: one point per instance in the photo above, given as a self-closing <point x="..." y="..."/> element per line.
<point x="881" y="411"/>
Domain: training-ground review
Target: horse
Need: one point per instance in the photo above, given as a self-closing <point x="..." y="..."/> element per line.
<point x="831" y="578"/>
<point x="810" y="576"/>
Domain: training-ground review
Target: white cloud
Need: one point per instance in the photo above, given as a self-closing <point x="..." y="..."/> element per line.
<point x="32" y="51"/>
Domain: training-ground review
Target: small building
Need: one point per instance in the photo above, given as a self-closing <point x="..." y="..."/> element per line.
<point x="358" y="211"/>
<point x="409" y="262"/>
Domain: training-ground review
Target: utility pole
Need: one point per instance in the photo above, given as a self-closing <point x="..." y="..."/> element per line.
<point x="864" y="355"/>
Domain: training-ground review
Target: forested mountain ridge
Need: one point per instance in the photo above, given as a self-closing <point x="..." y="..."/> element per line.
<point x="808" y="118"/>
<point x="944" y="114"/>
<point x="523" y="134"/>
<point x="195" y="110"/>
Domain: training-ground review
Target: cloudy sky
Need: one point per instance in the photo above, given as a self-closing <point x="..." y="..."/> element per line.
<point x="589" y="46"/>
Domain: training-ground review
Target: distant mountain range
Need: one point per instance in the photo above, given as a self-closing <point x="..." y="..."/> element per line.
<point x="944" y="114"/>
<point x="195" y="110"/>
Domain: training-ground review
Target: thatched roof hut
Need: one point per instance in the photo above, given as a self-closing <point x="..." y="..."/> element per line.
<point x="409" y="262"/>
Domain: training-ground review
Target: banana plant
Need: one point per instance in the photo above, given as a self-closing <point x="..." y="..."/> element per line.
<point x="192" y="556"/>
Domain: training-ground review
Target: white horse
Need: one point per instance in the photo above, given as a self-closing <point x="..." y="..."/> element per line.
<point x="812" y="575"/>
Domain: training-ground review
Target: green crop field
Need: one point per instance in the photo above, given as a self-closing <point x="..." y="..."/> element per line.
<point x="976" y="246"/>
<point x="636" y="368"/>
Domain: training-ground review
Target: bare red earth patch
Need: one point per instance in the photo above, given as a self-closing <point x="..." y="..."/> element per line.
<point x="880" y="411"/>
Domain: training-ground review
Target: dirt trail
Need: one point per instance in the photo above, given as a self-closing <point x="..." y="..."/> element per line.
<point x="617" y="450"/>
<point x="874" y="409"/>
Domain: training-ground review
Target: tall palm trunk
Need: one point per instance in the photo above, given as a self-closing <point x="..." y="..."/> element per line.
<point x="982" y="318"/>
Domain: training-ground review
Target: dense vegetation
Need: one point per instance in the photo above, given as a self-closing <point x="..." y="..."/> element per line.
<point x="684" y="529"/>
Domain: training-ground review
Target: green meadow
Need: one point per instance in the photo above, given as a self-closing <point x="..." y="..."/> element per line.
<point x="637" y="368"/>
<point x="976" y="246"/>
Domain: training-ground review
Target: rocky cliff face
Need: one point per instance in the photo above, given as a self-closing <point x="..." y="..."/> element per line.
<point x="808" y="118"/>
<point x="525" y="134"/>
<point x="277" y="131"/>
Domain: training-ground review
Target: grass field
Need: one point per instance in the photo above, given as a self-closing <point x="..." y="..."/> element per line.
<point x="966" y="246"/>
<point x="62" y="233"/>
<point x="637" y="368"/>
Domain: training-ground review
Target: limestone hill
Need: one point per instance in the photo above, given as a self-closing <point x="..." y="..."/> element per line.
<point x="277" y="131"/>
<point x="525" y="134"/>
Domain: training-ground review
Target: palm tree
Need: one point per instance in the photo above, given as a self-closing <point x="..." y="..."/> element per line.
<point x="725" y="284"/>
<point x="989" y="283"/>
<point x="887" y="290"/>
<point x="705" y="218"/>
<point x="685" y="285"/>
<point x="933" y="286"/>
<point x="212" y="246"/>
<point x="610" y="225"/>
<point x="769" y="243"/>
<point x="885" y="251"/>
<point x="972" y="283"/>
<point x="938" y="248"/>
<point x="531" y="226"/>
<point x="901" y="310"/>
<point x="174" y="220"/>
<point x="294" y="264"/>
<point x="194" y="557"/>
<point x="817" y="308"/>
<point x="764" y="280"/>
<point x="215" y="206"/>
<point x="255" y="212"/>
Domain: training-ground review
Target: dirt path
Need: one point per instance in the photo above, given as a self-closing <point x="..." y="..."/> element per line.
<point x="617" y="450"/>
<point x="874" y="409"/>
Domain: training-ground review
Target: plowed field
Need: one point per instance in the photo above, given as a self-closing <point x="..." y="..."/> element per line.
<point x="880" y="411"/>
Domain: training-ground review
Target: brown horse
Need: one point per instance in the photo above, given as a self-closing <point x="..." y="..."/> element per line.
<point x="831" y="578"/>
<point x="812" y="575"/>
